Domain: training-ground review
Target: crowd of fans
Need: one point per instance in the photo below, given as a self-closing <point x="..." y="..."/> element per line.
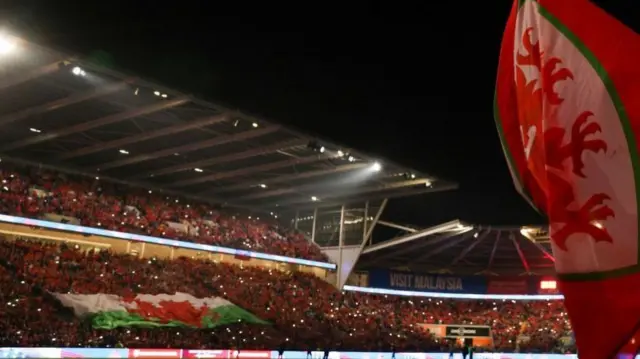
<point x="304" y="311"/>
<point x="32" y="192"/>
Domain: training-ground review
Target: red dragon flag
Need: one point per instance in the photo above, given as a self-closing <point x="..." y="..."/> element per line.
<point x="568" y="115"/>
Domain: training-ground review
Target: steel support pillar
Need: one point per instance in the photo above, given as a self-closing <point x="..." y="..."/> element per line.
<point x="367" y="230"/>
<point x="340" y="245"/>
<point x="383" y="205"/>
<point x="313" y="225"/>
<point x="364" y="221"/>
<point x="296" y="219"/>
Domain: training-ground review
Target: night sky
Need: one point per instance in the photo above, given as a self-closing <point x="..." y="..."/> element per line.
<point x="411" y="82"/>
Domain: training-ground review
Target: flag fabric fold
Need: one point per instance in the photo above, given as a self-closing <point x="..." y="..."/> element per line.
<point x="162" y="310"/>
<point x="568" y="118"/>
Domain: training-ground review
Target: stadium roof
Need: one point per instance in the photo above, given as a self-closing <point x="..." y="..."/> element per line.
<point x="71" y="115"/>
<point x="455" y="247"/>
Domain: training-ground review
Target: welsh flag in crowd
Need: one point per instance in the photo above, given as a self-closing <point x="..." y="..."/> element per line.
<point x="162" y="310"/>
<point x="568" y="114"/>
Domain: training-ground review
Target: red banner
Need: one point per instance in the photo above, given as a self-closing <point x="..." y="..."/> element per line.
<point x="508" y="286"/>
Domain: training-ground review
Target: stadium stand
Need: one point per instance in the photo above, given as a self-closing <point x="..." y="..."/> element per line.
<point x="94" y="203"/>
<point x="128" y="141"/>
<point x="305" y="312"/>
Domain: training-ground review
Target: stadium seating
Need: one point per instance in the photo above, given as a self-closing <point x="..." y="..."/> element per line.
<point x="30" y="192"/>
<point x="305" y="312"/>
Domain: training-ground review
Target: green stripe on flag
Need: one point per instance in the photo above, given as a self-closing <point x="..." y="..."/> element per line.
<point x="112" y="320"/>
<point x="224" y="315"/>
<point x="228" y="314"/>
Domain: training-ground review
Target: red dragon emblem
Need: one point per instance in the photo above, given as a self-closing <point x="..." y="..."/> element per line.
<point x="169" y="311"/>
<point x="538" y="101"/>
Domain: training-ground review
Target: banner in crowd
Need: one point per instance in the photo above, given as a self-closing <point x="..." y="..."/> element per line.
<point x="457" y="331"/>
<point x="382" y="278"/>
<point x="482" y="331"/>
<point x="95" y="353"/>
<point x="480" y="334"/>
<point x="162" y="310"/>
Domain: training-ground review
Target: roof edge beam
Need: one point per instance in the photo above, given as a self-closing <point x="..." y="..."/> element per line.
<point x="448" y="226"/>
<point x="359" y="191"/>
<point x="304" y="204"/>
<point x="231" y="157"/>
<point x="430" y="242"/>
<point x="32" y="75"/>
<point x="181" y="127"/>
<point x="288" y="178"/>
<point x="250" y="170"/>
<point x="448" y="245"/>
<point x="61" y="103"/>
<point x="397" y="226"/>
<point x="104" y="121"/>
<point x="216" y="141"/>
<point x="311" y="186"/>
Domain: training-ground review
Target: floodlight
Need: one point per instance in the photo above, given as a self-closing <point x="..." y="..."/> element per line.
<point x="7" y="44"/>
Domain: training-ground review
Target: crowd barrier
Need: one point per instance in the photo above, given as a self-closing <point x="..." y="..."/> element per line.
<point x="161" y="241"/>
<point x="245" y="354"/>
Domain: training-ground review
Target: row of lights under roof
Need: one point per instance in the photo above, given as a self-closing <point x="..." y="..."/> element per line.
<point x="79" y="71"/>
<point x="200" y="170"/>
<point x="7" y="45"/>
<point x="322" y="149"/>
<point x="125" y="152"/>
<point x="376" y="166"/>
<point x="253" y="124"/>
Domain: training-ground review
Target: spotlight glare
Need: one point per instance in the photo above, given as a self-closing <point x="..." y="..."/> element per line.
<point x="7" y="44"/>
<point x="78" y="71"/>
<point x="376" y="167"/>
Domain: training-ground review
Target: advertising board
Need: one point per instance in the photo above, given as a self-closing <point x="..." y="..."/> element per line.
<point x="95" y="353"/>
<point x="110" y="353"/>
<point x="382" y="278"/>
<point x="205" y="354"/>
<point x="155" y="353"/>
<point x="452" y="284"/>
